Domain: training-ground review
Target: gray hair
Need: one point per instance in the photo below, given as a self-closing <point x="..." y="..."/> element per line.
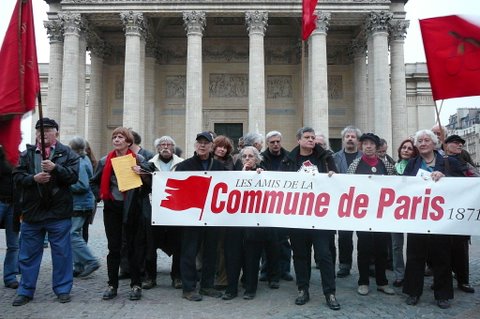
<point x="162" y="139"/>
<point x="305" y="129"/>
<point x="250" y="139"/>
<point x="78" y="145"/>
<point x="258" y="157"/>
<point x="351" y="128"/>
<point x="421" y="133"/>
<point x="273" y="134"/>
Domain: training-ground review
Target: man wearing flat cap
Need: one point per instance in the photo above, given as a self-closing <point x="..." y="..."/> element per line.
<point x="193" y="237"/>
<point x="46" y="206"/>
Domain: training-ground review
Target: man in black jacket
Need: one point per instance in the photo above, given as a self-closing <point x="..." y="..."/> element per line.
<point x="310" y="157"/>
<point x="192" y="237"/>
<point x="46" y="207"/>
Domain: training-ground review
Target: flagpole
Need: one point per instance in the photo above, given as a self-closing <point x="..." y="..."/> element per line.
<point x="42" y="129"/>
<point x="302" y="82"/>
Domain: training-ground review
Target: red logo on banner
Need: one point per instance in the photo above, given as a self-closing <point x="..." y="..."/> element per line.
<point x="188" y="193"/>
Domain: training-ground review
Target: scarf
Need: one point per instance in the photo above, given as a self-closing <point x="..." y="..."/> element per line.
<point x="105" y="192"/>
<point x="371" y="161"/>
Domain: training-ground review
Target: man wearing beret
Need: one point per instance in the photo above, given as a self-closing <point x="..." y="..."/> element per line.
<point x="193" y="237"/>
<point x="46" y="207"/>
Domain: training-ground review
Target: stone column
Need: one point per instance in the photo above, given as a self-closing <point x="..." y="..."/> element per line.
<point x="73" y="25"/>
<point x="96" y="109"/>
<point x="256" y="25"/>
<point x="379" y="79"/>
<point x="82" y="65"/>
<point x="398" y="30"/>
<point x="360" y="84"/>
<point x="150" y="84"/>
<point x="317" y="117"/>
<point x="194" y="22"/>
<point x="55" y="67"/>
<point x="134" y="30"/>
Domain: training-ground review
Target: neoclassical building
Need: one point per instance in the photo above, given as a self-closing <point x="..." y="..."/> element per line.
<point x="171" y="67"/>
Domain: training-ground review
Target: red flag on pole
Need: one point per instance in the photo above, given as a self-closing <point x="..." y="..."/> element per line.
<point x="452" y="49"/>
<point x="19" y="77"/>
<point x="308" y="18"/>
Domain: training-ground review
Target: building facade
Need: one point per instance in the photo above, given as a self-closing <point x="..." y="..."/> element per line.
<point x="180" y="67"/>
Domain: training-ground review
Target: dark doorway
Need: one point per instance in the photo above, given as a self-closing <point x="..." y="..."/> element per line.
<point x="232" y="130"/>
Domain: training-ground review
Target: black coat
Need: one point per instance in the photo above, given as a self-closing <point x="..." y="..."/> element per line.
<point x="53" y="200"/>
<point x="322" y="158"/>
<point x="194" y="163"/>
<point x="453" y="168"/>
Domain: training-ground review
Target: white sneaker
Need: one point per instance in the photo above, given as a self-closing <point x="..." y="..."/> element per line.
<point x="386" y="290"/>
<point x="363" y="290"/>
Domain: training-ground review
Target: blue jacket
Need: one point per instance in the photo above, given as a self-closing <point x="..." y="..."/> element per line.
<point x="83" y="198"/>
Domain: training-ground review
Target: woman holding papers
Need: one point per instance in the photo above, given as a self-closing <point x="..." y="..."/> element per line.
<point x="122" y="205"/>
<point x="438" y="247"/>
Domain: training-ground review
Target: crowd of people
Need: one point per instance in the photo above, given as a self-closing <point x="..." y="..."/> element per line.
<point x="54" y="190"/>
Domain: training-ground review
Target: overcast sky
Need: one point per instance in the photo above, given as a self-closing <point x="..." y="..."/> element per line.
<point x="416" y="9"/>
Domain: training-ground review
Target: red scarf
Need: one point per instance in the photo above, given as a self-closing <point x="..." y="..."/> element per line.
<point x="371" y="161"/>
<point x="105" y="192"/>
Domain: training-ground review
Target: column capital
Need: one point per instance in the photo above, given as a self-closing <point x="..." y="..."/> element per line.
<point x="378" y="21"/>
<point x="323" y="21"/>
<point x="256" y="22"/>
<point x="73" y="23"/>
<point x="133" y="23"/>
<point x="54" y="30"/>
<point x="194" y="22"/>
<point x="398" y="29"/>
<point x="357" y="47"/>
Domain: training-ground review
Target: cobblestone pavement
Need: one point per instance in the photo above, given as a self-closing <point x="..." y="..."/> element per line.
<point x="165" y="302"/>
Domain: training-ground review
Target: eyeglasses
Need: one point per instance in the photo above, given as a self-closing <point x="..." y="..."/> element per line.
<point x="165" y="144"/>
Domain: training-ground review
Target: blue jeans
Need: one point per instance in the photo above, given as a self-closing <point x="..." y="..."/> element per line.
<point x="31" y="252"/>
<point x="10" y="264"/>
<point x="82" y="255"/>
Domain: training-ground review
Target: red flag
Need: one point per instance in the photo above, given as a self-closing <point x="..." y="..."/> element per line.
<point x="19" y="78"/>
<point x="308" y="18"/>
<point x="452" y="48"/>
<point x="188" y="193"/>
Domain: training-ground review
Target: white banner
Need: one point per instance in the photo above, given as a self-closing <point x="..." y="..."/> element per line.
<point x="316" y="201"/>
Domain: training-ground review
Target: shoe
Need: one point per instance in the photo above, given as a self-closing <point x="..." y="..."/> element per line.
<point x="14" y="285"/>
<point x="21" y="300"/>
<point x="76" y="273"/>
<point x="191" y="296"/>
<point x="123" y="275"/>
<point x="110" y="293"/>
<point x="263" y="277"/>
<point x="412" y="300"/>
<point x="220" y="287"/>
<point x="229" y="296"/>
<point x="64" y="298"/>
<point x="135" y="293"/>
<point x="363" y="290"/>
<point x="428" y="272"/>
<point x="248" y="296"/>
<point x="463" y="287"/>
<point x="302" y="298"/>
<point x="273" y="285"/>
<point x="332" y="302"/>
<point x="443" y="303"/>
<point x="177" y="283"/>
<point x="149" y="284"/>
<point x="398" y="283"/>
<point x="287" y="276"/>
<point x="211" y="292"/>
<point x="343" y="272"/>
<point x="386" y="290"/>
<point x="89" y="270"/>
